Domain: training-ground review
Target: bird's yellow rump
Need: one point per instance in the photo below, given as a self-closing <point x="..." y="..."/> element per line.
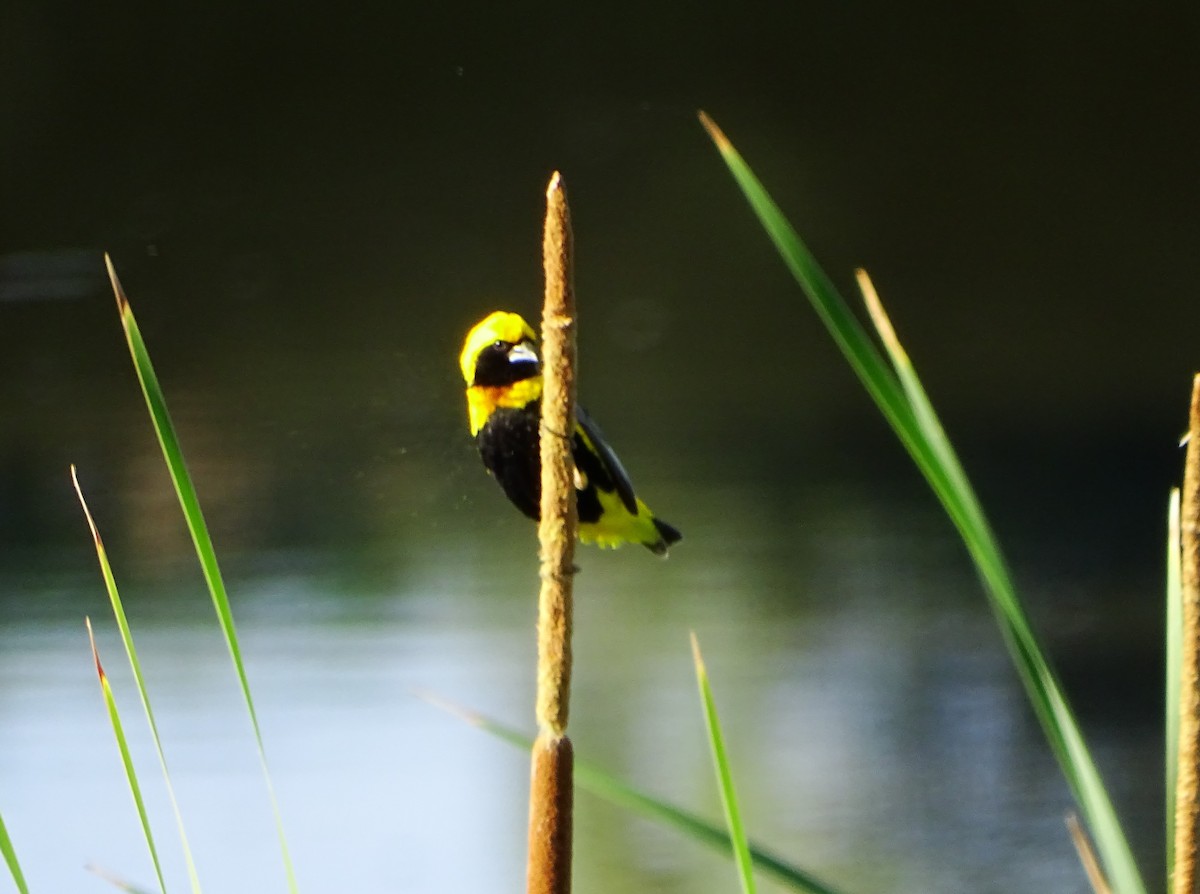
<point x="503" y="372"/>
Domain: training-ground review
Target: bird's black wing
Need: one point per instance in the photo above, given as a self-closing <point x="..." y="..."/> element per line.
<point x="608" y="459"/>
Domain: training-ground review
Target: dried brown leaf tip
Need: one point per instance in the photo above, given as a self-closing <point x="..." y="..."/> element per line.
<point x="95" y="653"/>
<point x="122" y="301"/>
<point x="715" y="133"/>
<point x="86" y="512"/>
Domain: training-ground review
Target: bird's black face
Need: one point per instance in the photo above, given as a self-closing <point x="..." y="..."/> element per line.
<point x="502" y="363"/>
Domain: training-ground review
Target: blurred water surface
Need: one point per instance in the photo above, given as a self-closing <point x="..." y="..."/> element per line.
<point x="879" y="735"/>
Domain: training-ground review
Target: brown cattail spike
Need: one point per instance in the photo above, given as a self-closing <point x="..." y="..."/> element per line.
<point x="556" y="530"/>
<point x="552" y="772"/>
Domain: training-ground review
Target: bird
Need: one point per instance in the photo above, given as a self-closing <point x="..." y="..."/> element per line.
<point x="503" y="373"/>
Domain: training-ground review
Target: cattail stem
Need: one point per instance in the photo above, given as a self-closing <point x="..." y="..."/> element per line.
<point x="1187" y="779"/>
<point x="550" y="792"/>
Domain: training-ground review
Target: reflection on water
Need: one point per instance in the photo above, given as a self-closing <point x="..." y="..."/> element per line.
<point x="879" y="736"/>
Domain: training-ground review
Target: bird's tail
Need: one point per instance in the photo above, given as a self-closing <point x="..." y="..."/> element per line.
<point x="667" y="534"/>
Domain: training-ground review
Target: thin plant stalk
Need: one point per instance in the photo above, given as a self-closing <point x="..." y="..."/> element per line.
<point x="115" y="880"/>
<point x="1087" y="855"/>
<point x="729" y="801"/>
<point x="189" y="502"/>
<point x="135" y="666"/>
<point x="900" y="398"/>
<point x="131" y="776"/>
<point x="1187" y="772"/>
<point x="595" y="779"/>
<point x="548" y="869"/>
<point x="10" y="859"/>
<point x="1174" y="666"/>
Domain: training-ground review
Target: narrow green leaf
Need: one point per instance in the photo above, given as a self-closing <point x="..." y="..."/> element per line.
<point x="1045" y="692"/>
<point x="127" y="761"/>
<point x="1174" y="665"/>
<point x="957" y="488"/>
<point x="114" y="597"/>
<point x="729" y="802"/>
<point x="10" y="858"/>
<point x="843" y="326"/>
<point x="173" y="454"/>
<point x="603" y="784"/>
<point x="901" y="399"/>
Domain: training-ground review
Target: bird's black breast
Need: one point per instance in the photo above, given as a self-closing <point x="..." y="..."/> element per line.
<point x="509" y="444"/>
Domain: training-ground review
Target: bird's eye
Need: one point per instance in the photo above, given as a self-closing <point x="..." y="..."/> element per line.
<point x="498" y="343"/>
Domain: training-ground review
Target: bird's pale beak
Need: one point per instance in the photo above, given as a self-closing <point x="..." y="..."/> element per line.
<point x="523" y="353"/>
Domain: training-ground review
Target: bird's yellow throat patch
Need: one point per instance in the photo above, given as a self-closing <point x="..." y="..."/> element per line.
<point x="482" y="400"/>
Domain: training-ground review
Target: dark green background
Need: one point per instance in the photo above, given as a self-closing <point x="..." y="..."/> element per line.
<point x="310" y="206"/>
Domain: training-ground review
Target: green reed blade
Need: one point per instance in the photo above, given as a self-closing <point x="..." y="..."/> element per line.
<point x="190" y="503"/>
<point x="1174" y="665"/>
<point x="729" y="802"/>
<point x="599" y="782"/>
<point x="10" y="859"/>
<point x="114" y="597"/>
<point x="127" y="761"/>
<point x="899" y="396"/>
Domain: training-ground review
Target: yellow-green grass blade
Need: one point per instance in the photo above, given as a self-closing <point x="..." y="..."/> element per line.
<point x="599" y="782"/>
<point x="114" y="597"/>
<point x="189" y="502"/>
<point x="1174" y="665"/>
<point x="729" y="802"/>
<point x="1045" y="693"/>
<point x="899" y="396"/>
<point x="127" y="761"/>
<point x="929" y="427"/>
<point x="10" y="859"/>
